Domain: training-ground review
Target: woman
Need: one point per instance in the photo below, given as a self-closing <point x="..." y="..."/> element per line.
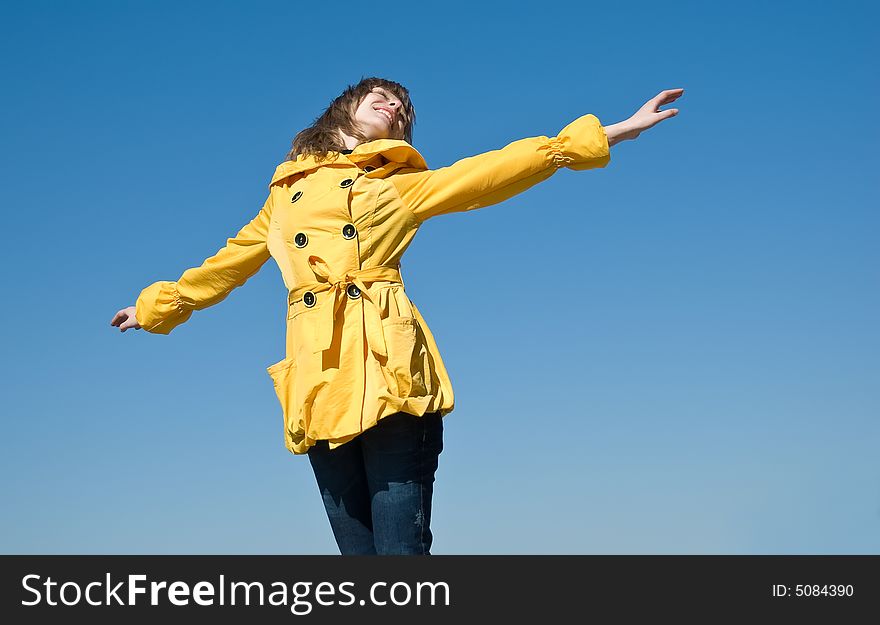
<point x="362" y="387"/>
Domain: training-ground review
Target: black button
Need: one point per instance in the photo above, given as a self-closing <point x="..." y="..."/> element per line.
<point x="353" y="291"/>
<point x="369" y="168"/>
<point x="349" y="231"/>
<point x="309" y="299"/>
<point x="346" y="183"/>
<point x="296" y="196"/>
<point x="300" y="240"/>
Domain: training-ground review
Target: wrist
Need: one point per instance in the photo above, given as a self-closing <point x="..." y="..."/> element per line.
<point x="616" y="133"/>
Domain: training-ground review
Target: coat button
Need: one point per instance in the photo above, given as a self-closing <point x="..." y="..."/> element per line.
<point x="369" y="168"/>
<point x="349" y="231"/>
<point x="346" y="183"/>
<point x="300" y="240"/>
<point x="309" y="299"/>
<point x="296" y="196"/>
<point x="353" y="291"/>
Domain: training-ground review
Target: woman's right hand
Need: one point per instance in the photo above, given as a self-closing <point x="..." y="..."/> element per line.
<point x="126" y="319"/>
<point x="646" y="117"/>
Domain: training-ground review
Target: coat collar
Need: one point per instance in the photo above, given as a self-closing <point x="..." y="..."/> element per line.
<point x="396" y="151"/>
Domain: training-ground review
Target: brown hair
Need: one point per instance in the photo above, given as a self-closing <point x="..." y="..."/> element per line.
<point x="322" y="137"/>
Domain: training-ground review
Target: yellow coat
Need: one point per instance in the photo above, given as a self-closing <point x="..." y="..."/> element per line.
<point x="357" y="348"/>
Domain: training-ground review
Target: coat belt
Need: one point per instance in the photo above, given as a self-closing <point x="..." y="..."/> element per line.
<point x="337" y="284"/>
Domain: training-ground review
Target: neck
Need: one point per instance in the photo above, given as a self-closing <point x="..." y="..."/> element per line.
<point x="349" y="142"/>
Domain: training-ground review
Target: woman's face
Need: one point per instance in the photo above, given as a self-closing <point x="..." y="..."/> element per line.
<point x="378" y="115"/>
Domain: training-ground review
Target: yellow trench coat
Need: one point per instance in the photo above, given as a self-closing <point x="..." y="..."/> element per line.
<point x="357" y="348"/>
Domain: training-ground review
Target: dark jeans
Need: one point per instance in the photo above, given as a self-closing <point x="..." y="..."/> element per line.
<point x="377" y="487"/>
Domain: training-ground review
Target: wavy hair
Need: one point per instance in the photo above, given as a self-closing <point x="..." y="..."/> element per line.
<point x="322" y="138"/>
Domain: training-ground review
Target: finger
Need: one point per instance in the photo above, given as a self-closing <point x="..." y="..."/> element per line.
<point x="668" y="95"/>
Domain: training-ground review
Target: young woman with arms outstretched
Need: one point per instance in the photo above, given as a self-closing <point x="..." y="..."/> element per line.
<point x="362" y="386"/>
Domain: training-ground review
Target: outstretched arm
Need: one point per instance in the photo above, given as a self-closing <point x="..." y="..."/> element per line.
<point x="494" y="176"/>
<point x="164" y="305"/>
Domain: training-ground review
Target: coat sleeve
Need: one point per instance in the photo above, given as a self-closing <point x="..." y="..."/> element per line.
<point x="494" y="176"/>
<point x="164" y="305"/>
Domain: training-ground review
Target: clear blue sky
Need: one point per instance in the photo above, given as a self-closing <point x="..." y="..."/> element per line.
<point x="679" y="353"/>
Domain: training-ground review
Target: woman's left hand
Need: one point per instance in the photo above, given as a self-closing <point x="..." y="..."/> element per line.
<point x="646" y="117"/>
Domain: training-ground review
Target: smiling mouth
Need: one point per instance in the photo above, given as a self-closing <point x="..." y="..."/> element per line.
<point x="385" y="114"/>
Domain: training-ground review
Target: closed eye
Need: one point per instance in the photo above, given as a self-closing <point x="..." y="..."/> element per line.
<point x="383" y="93"/>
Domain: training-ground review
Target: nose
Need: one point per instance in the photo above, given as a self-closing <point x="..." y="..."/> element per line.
<point x="394" y="105"/>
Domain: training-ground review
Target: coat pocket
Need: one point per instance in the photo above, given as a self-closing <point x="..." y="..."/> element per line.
<point x="303" y="327"/>
<point x="283" y="376"/>
<point x="401" y="334"/>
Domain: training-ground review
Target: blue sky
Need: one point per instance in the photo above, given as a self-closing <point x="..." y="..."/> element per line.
<point x="677" y="354"/>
